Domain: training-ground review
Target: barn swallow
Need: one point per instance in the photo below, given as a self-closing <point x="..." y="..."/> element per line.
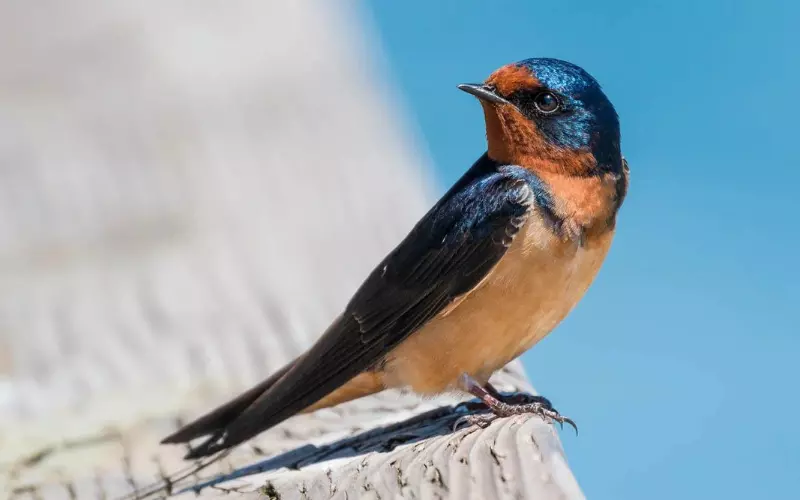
<point x="490" y="270"/>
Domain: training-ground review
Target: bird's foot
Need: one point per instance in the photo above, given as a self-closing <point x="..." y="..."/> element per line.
<point x="538" y="406"/>
<point x="502" y="405"/>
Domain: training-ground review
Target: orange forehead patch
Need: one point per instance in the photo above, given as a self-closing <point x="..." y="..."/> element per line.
<point x="511" y="78"/>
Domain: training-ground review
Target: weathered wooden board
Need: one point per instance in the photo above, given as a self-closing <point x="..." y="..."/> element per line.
<point x="189" y="191"/>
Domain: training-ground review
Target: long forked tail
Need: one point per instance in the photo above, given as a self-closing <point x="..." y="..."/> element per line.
<point x="217" y="419"/>
<point x="215" y="422"/>
<point x="332" y="371"/>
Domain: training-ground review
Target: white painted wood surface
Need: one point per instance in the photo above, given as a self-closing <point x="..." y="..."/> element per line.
<point x="189" y="191"/>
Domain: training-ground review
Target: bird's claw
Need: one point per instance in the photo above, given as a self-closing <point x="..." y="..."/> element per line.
<point x="553" y="415"/>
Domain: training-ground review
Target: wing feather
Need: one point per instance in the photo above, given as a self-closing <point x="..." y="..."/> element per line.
<point x="448" y="252"/>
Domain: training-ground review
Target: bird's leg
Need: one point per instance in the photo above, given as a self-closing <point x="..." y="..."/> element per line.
<point x="492" y="390"/>
<point x="540" y="406"/>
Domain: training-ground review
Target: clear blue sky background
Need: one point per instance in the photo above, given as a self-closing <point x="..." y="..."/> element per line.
<point x="681" y="364"/>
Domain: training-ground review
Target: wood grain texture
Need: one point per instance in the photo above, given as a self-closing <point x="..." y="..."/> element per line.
<point x="163" y="168"/>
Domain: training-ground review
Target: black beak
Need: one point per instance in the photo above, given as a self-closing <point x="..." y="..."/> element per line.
<point x="483" y="92"/>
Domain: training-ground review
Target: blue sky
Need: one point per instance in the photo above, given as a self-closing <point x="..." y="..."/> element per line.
<point x="681" y="364"/>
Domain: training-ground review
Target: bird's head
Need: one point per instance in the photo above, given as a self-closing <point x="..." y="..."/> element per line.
<point x="549" y="115"/>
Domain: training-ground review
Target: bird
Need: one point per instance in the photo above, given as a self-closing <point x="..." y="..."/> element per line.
<point x="492" y="268"/>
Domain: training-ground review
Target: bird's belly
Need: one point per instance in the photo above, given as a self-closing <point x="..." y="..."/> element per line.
<point x="535" y="285"/>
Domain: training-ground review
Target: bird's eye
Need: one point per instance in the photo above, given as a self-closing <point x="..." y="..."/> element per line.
<point x="546" y="103"/>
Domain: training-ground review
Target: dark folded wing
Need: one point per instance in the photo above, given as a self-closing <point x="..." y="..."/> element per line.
<point x="446" y="254"/>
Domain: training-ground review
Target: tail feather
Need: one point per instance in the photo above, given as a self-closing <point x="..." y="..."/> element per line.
<point x="332" y="371"/>
<point x="216" y="420"/>
<point x="359" y="386"/>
